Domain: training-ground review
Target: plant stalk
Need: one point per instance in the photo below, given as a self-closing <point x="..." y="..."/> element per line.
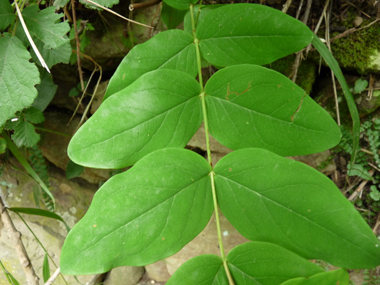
<point x="204" y="110"/>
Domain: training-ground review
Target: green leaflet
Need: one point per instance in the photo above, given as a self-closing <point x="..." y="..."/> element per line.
<point x="160" y="109"/>
<point x="172" y="49"/>
<point x="42" y="25"/>
<point x="333" y="64"/>
<point x="166" y="200"/>
<point x="17" y="77"/>
<point x="204" y="269"/>
<point x="206" y="9"/>
<point x="338" y="277"/>
<point x="6" y="14"/>
<point x="263" y="263"/>
<point x="270" y="198"/>
<point x="249" y="33"/>
<point x="171" y="17"/>
<point x="252" y="106"/>
<point x="180" y="4"/>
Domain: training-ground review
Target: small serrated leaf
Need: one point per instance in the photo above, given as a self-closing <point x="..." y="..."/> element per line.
<point x="46" y="90"/>
<point x="17" y="77"/>
<point x="105" y="3"/>
<point x="7" y="15"/>
<point x="52" y="56"/>
<point x="34" y="115"/>
<point x="42" y="25"/>
<point x="60" y="3"/>
<point x="25" y="135"/>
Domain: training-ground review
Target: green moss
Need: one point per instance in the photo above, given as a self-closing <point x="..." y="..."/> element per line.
<point x="355" y="50"/>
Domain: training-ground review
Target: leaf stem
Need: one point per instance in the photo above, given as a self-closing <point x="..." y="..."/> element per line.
<point x="212" y="174"/>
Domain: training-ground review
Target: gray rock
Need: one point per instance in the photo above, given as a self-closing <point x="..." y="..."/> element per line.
<point x="72" y="200"/>
<point x="124" y="275"/>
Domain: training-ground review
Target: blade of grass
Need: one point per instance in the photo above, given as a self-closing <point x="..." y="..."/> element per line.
<point x="16" y="152"/>
<point x="333" y="64"/>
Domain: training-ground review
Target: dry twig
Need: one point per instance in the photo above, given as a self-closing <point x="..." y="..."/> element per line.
<point x="15" y="237"/>
<point x="359" y="190"/>
<point x="53" y="277"/>
<point x="286" y="6"/>
<point x="78" y="45"/>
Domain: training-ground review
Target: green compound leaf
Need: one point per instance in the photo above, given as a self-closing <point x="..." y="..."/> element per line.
<point x="204" y="269"/>
<point x="25" y="135"/>
<point x="171" y="17"/>
<point x="7" y="15"/>
<point x="142" y="215"/>
<point x="50" y="55"/>
<point x="34" y="115"/>
<point x="180" y="4"/>
<point x="278" y="200"/>
<point x="42" y="25"/>
<point x="250" y="33"/>
<point x="17" y="77"/>
<point x="160" y="109"/>
<point x="338" y="277"/>
<point x="252" y="106"/>
<point x="267" y="264"/>
<point x="176" y="51"/>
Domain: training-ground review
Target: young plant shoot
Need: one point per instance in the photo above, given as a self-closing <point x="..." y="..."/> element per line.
<point x="152" y="108"/>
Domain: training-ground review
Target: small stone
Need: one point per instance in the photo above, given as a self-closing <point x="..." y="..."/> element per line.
<point x="124" y="275"/>
<point x="158" y="271"/>
<point x="358" y="21"/>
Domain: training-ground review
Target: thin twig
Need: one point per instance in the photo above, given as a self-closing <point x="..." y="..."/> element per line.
<point x="39" y="56"/>
<point x="374" y="166"/>
<point x="359" y="190"/>
<point x="135" y="6"/>
<point x="15" y="237"/>
<point x="78" y="45"/>
<point x="53" y="277"/>
<point x="327" y="33"/>
<point x="109" y="10"/>
<point x="286" y="6"/>
<point x="359" y="9"/>
<point x="377" y="225"/>
<point x="318" y="24"/>
<point x="297" y="61"/>
<point x="299" y="9"/>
